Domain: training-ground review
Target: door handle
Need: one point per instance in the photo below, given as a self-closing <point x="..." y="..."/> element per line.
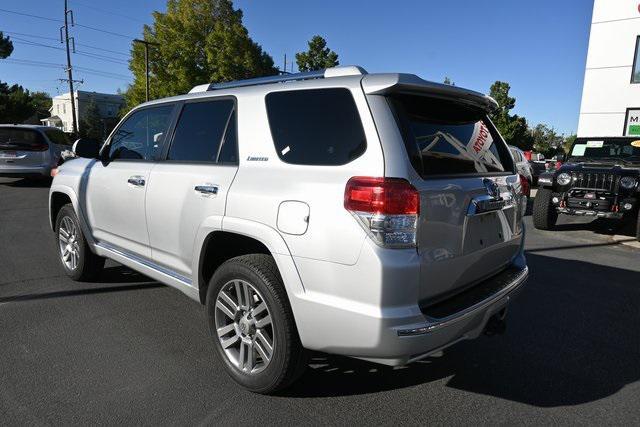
<point x="206" y="189"/>
<point x="136" y="180"/>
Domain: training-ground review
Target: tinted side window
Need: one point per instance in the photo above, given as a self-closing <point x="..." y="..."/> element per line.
<point x="200" y="130"/>
<point x="229" y="150"/>
<point x="141" y="134"/>
<point x="316" y="127"/>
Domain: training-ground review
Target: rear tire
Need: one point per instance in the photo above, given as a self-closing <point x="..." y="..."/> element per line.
<point x="638" y="227"/>
<point x="263" y="371"/>
<point x="545" y="215"/>
<point x="77" y="260"/>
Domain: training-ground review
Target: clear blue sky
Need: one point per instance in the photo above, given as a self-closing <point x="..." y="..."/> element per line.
<point x="539" y="47"/>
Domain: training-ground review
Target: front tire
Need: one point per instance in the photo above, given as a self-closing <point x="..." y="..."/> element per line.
<point x="252" y="324"/>
<point x="77" y="260"/>
<point x="545" y="215"/>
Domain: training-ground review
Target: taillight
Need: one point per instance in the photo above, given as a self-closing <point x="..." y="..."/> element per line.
<point x="525" y="188"/>
<point x="387" y="208"/>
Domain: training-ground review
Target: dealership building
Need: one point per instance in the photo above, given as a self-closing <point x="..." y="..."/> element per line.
<point x="611" y="93"/>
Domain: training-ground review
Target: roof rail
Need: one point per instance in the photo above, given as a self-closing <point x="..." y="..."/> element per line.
<point x="319" y="74"/>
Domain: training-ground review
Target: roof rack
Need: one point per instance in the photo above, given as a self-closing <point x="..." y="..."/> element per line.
<point x="319" y="74"/>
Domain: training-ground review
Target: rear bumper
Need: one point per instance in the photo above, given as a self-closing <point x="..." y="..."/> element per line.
<point x="25" y="172"/>
<point x="377" y="323"/>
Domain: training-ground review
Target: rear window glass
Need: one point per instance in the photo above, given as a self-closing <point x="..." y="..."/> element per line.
<point x="20" y="139"/>
<point x="316" y="127"/>
<point x="447" y="138"/>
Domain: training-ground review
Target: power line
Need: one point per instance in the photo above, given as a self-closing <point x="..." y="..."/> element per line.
<point x="122" y="15"/>
<point x="31" y="16"/>
<point x="33" y="63"/>
<point x="11" y="33"/>
<point x="105" y="31"/>
<point x="93" y="70"/>
<point x="77" y="52"/>
<point x="30" y="35"/>
<point x="58" y="20"/>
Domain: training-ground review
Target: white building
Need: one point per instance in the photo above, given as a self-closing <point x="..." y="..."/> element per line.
<point x="60" y="110"/>
<point x="611" y="93"/>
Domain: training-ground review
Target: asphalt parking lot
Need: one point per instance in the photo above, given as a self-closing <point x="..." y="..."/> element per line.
<point x="128" y="350"/>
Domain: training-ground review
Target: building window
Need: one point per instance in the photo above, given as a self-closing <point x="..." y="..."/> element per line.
<point x="635" y="74"/>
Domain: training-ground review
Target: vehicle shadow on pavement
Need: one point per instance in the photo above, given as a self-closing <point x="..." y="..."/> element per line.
<point x="29" y="183"/>
<point x="124" y="279"/>
<point x="571" y="339"/>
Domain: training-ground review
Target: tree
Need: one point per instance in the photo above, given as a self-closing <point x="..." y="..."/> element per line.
<point x="15" y="104"/>
<point x="568" y="142"/>
<point x="6" y="46"/>
<point x="91" y="126"/>
<point x="513" y="128"/>
<point x="41" y="102"/>
<point x="318" y="56"/>
<point x="198" y="41"/>
<point x="545" y="140"/>
<point x="448" y="81"/>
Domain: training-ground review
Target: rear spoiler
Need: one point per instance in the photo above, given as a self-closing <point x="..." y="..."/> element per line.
<point x="385" y="84"/>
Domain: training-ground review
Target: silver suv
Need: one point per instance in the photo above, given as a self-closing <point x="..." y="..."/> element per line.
<point x="376" y="216"/>
<point x="28" y="151"/>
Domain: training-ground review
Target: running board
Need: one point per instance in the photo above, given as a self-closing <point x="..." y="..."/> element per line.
<point x="148" y="268"/>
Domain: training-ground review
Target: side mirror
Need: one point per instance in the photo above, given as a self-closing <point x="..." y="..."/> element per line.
<point x="87" y="148"/>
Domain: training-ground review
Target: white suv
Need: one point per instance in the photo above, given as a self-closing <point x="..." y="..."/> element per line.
<point x="376" y="216"/>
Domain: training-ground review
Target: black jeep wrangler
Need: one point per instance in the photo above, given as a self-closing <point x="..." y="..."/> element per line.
<point x="600" y="178"/>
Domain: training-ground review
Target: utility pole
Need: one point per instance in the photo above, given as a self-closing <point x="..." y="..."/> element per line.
<point x="68" y="12"/>
<point x="146" y="60"/>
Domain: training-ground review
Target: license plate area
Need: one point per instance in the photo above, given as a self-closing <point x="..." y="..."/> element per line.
<point x="7" y="154"/>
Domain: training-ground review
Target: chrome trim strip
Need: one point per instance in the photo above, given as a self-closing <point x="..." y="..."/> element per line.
<point x="145" y="262"/>
<point x="433" y="324"/>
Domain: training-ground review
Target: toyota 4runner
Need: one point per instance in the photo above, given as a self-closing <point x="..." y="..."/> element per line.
<point x="377" y="216"/>
<point x="599" y="179"/>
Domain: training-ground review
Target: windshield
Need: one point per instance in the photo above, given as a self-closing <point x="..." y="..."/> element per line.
<point x="605" y="149"/>
<point x="448" y="138"/>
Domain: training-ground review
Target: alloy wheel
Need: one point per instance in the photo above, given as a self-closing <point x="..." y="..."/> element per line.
<point x="244" y="326"/>
<point x="68" y="241"/>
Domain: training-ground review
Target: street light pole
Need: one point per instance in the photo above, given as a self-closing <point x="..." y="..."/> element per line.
<point x="146" y="62"/>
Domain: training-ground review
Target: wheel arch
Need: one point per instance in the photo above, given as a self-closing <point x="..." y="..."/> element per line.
<point x="241" y="237"/>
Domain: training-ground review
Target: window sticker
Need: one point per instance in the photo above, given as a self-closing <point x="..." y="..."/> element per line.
<point x="595" y="144"/>
<point x="632" y="122"/>
<point x="578" y="150"/>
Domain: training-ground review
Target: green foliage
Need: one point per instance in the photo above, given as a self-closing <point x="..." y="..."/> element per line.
<point x="568" y="142"/>
<point x="16" y="104"/>
<point x="513" y="128"/>
<point x="448" y="81"/>
<point x="6" y="46"/>
<point x="318" y="56"/>
<point x="91" y="125"/>
<point x="545" y="140"/>
<point x="41" y="102"/>
<point x="198" y="41"/>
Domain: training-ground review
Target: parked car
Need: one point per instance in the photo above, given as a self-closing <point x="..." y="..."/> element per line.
<point x="376" y="216"/>
<point x="538" y="166"/>
<point x="600" y="179"/>
<point x="524" y="169"/>
<point x="28" y="151"/>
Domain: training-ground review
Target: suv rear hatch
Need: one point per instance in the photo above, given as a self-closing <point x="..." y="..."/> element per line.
<point x="22" y="147"/>
<point x="469" y="227"/>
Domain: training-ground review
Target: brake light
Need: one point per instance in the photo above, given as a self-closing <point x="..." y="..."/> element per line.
<point x="387" y="209"/>
<point x="391" y="196"/>
<point x="525" y="188"/>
